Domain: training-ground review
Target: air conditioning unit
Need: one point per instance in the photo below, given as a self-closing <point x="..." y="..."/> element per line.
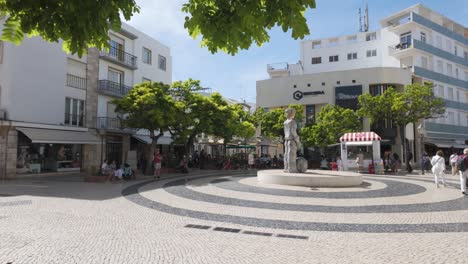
<point x="3" y="114"/>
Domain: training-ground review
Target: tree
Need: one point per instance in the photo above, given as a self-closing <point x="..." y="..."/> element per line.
<point x="224" y="25"/>
<point x="416" y="102"/>
<point x="79" y="23"/>
<point x="232" y="25"/>
<point x="195" y="113"/>
<point x="332" y="122"/>
<point x="148" y="106"/>
<point x="272" y="121"/>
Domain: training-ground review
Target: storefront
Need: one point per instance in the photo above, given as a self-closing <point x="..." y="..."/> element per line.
<point x="48" y="150"/>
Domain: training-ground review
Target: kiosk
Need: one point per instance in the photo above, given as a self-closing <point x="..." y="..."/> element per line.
<point x="365" y="145"/>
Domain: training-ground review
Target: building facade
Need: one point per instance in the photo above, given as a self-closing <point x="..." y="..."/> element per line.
<point x="413" y="46"/>
<point x="55" y="107"/>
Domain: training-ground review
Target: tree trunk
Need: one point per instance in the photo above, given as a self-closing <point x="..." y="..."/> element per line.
<point x="150" y="152"/>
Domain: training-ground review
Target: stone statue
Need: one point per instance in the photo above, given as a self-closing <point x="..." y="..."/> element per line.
<point x="291" y="141"/>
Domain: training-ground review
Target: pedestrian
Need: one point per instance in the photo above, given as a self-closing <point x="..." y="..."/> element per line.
<point x="438" y="167"/>
<point x="251" y="160"/>
<point x="157" y="164"/>
<point x="409" y="157"/>
<point x="462" y="165"/>
<point x="425" y="163"/>
<point x="453" y="162"/>
<point x="395" y="163"/>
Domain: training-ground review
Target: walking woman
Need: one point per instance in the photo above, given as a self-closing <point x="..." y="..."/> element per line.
<point x="438" y="167"/>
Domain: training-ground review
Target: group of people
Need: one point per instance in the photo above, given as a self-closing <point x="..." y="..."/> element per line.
<point x="459" y="164"/>
<point x="112" y="172"/>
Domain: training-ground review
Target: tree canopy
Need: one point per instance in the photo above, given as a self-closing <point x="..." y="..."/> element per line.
<point x="224" y="25"/>
<point x="148" y="106"/>
<point x="332" y="122"/>
<point x="416" y="102"/>
<point x="272" y="121"/>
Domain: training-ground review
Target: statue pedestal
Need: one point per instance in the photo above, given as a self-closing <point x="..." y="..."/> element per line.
<point x="311" y="178"/>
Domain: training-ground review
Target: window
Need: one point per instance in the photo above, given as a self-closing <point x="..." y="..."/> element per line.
<point x="310" y="114"/>
<point x="465" y="54"/>
<point x="423" y="37"/>
<point x="162" y="62"/>
<point x="317" y="60"/>
<point x="456" y="73"/>
<point x="352" y="56"/>
<point x="371" y="36"/>
<point x="440" y="67"/>
<point x="439" y="42"/>
<point x="74" y="112"/>
<point x="333" y="58"/>
<point x="458" y="96"/>
<point x="424" y="62"/>
<point x="455" y="50"/>
<point x="117" y="48"/>
<point x="448" y="45"/>
<point x="146" y="56"/>
<point x="405" y="39"/>
<point x="449" y="69"/>
<point x="371" y="53"/>
<point x="451" y="118"/>
<point x="441" y="91"/>
<point x="143" y="79"/>
<point x="316" y="44"/>
<point x="450" y="93"/>
<point x="115" y="76"/>
<point x="458" y="119"/>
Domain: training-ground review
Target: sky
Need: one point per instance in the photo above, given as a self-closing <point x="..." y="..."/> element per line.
<point x="235" y="76"/>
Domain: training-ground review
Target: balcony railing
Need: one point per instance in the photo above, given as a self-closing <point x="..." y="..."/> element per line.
<point x="74" y="120"/>
<point x="280" y="66"/>
<point x="121" y="57"/>
<point x="107" y="123"/>
<point x="113" y="89"/>
<point x="76" y="82"/>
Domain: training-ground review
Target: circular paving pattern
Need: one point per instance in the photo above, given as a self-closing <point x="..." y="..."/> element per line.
<point x="382" y="204"/>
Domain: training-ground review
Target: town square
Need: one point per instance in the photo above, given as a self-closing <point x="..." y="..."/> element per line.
<point x="197" y="131"/>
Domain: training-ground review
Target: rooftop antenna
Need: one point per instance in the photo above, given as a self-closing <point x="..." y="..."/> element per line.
<point x="366" y="19"/>
<point x="360" y="22"/>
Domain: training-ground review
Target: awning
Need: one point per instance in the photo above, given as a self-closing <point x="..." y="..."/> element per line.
<point x="52" y="136"/>
<point x="145" y="139"/>
<point x="360" y="136"/>
<point x="445" y="144"/>
<point x="240" y="147"/>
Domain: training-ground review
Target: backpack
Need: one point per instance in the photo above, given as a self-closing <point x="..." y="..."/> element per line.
<point x="461" y="163"/>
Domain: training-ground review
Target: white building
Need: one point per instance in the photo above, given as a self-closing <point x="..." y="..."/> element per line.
<point x="413" y="45"/>
<point x="55" y="107"/>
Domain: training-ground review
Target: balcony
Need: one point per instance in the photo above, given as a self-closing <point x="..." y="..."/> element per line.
<point x="419" y="71"/>
<point x="76" y="82"/>
<point x="280" y="69"/>
<point x="120" y="57"/>
<point x="450" y="131"/>
<point x="112" y="124"/>
<point x="456" y="105"/>
<point x="400" y="50"/>
<point x="439" y="52"/>
<point x="113" y="89"/>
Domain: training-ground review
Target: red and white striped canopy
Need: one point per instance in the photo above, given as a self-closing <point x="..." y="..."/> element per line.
<point x="360" y="136"/>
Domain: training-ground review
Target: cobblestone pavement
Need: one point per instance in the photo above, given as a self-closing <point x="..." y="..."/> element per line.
<point x="227" y="217"/>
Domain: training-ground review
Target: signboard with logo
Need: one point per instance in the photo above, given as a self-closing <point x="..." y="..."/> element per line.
<point x="347" y="96"/>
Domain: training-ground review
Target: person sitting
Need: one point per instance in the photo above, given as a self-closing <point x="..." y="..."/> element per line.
<point x="324" y="164"/>
<point x="128" y="172"/>
<point x="118" y="174"/>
